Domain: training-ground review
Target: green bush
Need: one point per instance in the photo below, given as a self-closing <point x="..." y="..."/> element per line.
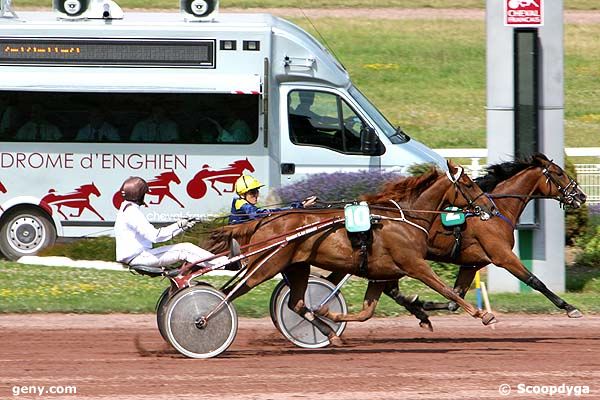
<point x="590" y="257"/>
<point x="100" y="248"/>
<point x="103" y="248"/>
<point x="576" y="220"/>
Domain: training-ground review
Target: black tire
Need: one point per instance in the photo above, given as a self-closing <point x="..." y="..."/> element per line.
<point x="161" y="309"/>
<point x="275" y="296"/>
<point x="25" y="231"/>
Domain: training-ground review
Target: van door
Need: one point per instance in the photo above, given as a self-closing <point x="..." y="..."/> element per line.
<point x="321" y="131"/>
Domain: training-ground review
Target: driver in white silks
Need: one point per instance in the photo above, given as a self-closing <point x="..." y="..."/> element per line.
<point x="135" y="235"/>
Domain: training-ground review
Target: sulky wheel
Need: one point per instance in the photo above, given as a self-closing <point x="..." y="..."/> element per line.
<point x="298" y="330"/>
<point x="161" y="310"/>
<point x="186" y="330"/>
<point x="275" y="298"/>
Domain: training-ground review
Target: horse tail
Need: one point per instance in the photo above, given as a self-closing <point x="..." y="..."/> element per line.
<point x="218" y="240"/>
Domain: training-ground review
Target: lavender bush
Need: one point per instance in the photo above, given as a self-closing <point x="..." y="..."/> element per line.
<point x="594" y="210"/>
<point x="337" y="186"/>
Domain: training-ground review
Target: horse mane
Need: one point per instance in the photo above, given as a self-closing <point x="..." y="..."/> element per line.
<point x="500" y="172"/>
<point x="404" y="188"/>
<point x="83" y="187"/>
<point x="163" y="174"/>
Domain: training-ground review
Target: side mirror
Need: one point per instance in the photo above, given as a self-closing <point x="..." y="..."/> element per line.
<point x="369" y="143"/>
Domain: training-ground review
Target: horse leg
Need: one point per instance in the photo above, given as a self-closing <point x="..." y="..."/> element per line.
<point x="335" y="277"/>
<point x="297" y="278"/>
<point x="212" y="185"/>
<point x="513" y="265"/>
<point x="463" y="282"/>
<point x="423" y="272"/>
<point x="158" y="200"/>
<point x="92" y="209"/>
<point x="172" y="197"/>
<point x="372" y="296"/>
<point x="61" y="213"/>
<point x="411" y="303"/>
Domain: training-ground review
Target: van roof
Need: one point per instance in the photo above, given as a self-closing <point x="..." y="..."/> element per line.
<point x="223" y="21"/>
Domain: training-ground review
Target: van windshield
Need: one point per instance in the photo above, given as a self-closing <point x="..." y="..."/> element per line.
<point x="396" y="135"/>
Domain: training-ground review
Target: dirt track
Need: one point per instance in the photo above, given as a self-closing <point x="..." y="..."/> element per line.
<point x="124" y="357"/>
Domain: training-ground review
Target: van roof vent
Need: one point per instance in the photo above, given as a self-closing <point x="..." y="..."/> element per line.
<point x="87" y="9"/>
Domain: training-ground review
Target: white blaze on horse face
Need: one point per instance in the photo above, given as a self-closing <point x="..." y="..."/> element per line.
<point x="458" y="174"/>
<point x="454" y="178"/>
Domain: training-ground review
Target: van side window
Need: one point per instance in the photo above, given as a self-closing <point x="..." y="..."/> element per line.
<point x="324" y="120"/>
<point x="188" y="118"/>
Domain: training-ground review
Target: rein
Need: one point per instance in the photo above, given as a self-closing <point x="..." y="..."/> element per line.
<point x="401" y="219"/>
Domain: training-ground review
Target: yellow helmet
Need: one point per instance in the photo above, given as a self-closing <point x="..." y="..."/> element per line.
<point x="245" y="183"/>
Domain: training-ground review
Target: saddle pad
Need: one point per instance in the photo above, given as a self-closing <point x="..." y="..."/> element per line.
<point x="453" y="216"/>
<point x="357" y="217"/>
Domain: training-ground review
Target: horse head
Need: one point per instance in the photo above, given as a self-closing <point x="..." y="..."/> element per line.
<point x="242" y="165"/>
<point x="169" y="176"/>
<point x="464" y="192"/>
<point x="89" y="189"/>
<point x="556" y="183"/>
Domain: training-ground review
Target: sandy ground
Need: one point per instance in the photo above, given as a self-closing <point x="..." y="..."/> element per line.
<point x="123" y="357"/>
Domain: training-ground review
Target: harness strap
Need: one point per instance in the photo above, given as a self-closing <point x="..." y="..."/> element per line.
<point x="497" y="212"/>
<point x="402" y="218"/>
<point x="457" y="242"/>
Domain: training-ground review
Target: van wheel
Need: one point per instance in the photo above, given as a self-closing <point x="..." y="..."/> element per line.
<point x="24" y="232"/>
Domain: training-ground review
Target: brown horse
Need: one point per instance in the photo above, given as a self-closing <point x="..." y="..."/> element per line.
<point x="398" y="246"/>
<point x="511" y="185"/>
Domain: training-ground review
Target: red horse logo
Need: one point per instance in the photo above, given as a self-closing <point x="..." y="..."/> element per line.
<point x="159" y="186"/>
<point x="196" y="188"/>
<point x="2" y="190"/>
<point x="79" y="199"/>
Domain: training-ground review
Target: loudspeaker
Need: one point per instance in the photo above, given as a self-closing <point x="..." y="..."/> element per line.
<point x="201" y="10"/>
<point x="94" y="9"/>
<point x="70" y="8"/>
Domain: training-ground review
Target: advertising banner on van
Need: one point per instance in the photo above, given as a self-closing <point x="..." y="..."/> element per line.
<point x="524" y="13"/>
<point x="85" y="187"/>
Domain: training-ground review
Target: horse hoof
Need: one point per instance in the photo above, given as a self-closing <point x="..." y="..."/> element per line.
<point x="574" y="313"/>
<point x="335" y="341"/>
<point x="488" y="319"/>
<point x="426" y="325"/>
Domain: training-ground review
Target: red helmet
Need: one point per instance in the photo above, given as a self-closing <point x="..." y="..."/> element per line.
<point x="134" y="189"/>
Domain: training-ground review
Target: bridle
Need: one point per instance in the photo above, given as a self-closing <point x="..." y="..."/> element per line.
<point x="472" y="207"/>
<point x="567" y="193"/>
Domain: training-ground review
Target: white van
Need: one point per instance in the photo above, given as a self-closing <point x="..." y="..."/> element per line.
<point x="187" y="105"/>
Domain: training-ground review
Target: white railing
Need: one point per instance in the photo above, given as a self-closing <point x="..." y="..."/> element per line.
<point x="588" y="175"/>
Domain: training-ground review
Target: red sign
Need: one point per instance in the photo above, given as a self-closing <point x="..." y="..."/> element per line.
<point x="524" y="12"/>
